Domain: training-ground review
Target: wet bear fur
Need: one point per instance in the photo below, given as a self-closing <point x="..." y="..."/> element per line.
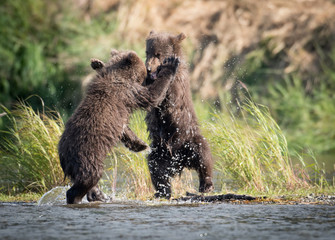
<point x="176" y="139"/>
<point x="101" y="119"/>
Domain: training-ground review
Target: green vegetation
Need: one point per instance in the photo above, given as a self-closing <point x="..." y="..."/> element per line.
<point x="45" y="50"/>
<point x="28" y="154"/>
<point x="33" y="38"/>
<point x="307" y="119"/>
<point x="303" y="106"/>
<point x="250" y="151"/>
<point x="23" y="197"/>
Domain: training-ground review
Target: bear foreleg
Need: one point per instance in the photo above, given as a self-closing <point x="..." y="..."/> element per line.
<point x="131" y="141"/>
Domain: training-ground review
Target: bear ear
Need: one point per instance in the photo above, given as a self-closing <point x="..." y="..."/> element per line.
<point x="132" y="58"/>
<point x="152" y="32"/>
<point x="114" y="52"/>
<point x="180" y="37"/>
<point x="97" y="64"/>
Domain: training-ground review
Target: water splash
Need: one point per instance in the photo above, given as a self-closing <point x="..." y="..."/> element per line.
<point x="56" y="196"/>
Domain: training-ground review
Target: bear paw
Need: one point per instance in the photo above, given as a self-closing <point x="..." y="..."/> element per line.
<point x="97" y="64"/>
<point x="169" y="64"/>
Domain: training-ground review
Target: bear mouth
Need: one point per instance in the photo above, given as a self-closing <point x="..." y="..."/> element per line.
<point x="153" y="75"/>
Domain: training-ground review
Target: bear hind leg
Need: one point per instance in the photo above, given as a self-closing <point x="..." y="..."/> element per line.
<point x="204" y="166"/>
<point x="163" y="188"/>
<point x="81" y="187"/>
<point x="159" y="177"/>
<point x="95" y="194"/>
<point x="76" y="193"/>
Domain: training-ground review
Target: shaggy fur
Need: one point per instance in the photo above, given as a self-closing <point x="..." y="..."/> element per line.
<point x="101" y="119"/>
<point x="176" y="139"/>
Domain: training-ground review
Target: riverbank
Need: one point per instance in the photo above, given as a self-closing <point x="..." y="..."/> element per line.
<point x="246" y="199"/>
<point x="310" y="199"/>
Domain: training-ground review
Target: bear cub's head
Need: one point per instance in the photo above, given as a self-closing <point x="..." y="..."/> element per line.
<point x="122" y="66"/>
<point x="160" y="46"/>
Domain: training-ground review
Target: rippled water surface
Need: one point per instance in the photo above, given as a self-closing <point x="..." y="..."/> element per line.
<point x="150" y="220"/>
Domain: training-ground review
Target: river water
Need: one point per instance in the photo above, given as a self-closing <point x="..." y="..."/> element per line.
<point x="165" y="220"/>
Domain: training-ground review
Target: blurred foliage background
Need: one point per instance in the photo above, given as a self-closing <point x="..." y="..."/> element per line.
<point x="283" y="52"/>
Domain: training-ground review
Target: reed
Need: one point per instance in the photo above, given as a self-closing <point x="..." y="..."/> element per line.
<point x="28" y="152"/>
<point x="250" y="151"/>
<point x="252" y="155"/>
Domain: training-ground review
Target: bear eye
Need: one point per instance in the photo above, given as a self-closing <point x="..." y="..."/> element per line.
<point x="157" y="55"/>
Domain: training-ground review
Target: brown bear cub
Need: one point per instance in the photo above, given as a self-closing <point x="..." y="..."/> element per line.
<point x="101" y="119"/>
<point x="173" y="127"/>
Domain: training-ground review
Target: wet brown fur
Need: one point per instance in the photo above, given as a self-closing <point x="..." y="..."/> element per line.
<point x="173" y="126"/>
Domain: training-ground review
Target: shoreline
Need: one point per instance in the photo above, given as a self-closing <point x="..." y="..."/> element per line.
<point x="311" y="199"/>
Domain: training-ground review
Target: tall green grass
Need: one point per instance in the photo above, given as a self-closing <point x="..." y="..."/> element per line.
<point x="250" y="152"/>
<point x="28" y="153"/>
